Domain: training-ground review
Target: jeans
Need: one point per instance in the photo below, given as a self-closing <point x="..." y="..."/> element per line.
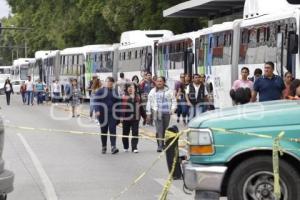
<point x="29" y="97"/>
<point x="55" y="97"/>
<point x="132" y="125"/>
<point x="111" y="125"/>
<point x="182" y="109"/>
<point x="162" y="121"/>
<point x="8" y="97"/>
<point x="23" y="97"/>
<point x="39" y="97"/>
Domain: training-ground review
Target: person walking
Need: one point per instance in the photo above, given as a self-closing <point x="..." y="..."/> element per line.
<point x="161" y="104"/>
<point x="23" y="93"/>
<point x="94" y="88"/>
<point x="288" y="78"/>
<point x="295" y="90"/>
<point x="132" y="110"/>
<point x="242" y="88"/>
<point x="196" y="96"/>
<point x="8" y="89"/>
<point x="29" y="90"/>
<point x="39" y="89"/>
<point x="145" y="87"/>
<point x="106" y="105"/>
<point x="182" y="106"/>
<point x="75" y="98"/>
<point x="56" y="91"/>
<point x="67" y="90"/>
<point x="121" y="83"/>
<point x="257" y="75"/>
<point x="270" y="86"/>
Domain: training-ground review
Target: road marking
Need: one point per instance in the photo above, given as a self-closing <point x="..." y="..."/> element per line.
<point x="174" y="191"/>
<point x="48" y="186"/>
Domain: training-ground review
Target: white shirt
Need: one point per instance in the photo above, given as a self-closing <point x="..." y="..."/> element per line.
<point x="197" y="87"/>
<point x="7" y="87"/>
<point x="56" y="87"/>
<point x="29" y="85"/>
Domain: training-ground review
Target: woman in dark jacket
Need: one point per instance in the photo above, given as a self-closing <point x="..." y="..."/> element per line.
<point x="106" y="105"/>
<point x="8" y="89"/>
<point x="132" y="110"/>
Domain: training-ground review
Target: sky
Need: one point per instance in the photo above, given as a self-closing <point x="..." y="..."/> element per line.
<point x="4" y="8"/>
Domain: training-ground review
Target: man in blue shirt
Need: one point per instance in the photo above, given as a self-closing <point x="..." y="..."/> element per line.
<point x="270" y="86"/>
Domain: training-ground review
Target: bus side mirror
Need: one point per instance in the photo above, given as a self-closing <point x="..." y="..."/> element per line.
<point x="293" y="43"/>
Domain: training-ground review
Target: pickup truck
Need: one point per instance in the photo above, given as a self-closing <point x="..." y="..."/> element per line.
<point x="230" y="152"/>
<point x="6" y="177"/>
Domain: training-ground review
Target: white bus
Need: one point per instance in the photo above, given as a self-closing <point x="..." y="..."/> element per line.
<point x="99" y="61"/>
<point x="138" y="50"/>
<point x="39" y="72"/>
<point x="268" y="32"/>
<point x="175" y="56"/>
<point x="22" y="68"/>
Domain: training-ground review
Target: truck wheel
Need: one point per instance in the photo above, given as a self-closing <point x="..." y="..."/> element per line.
<point x="3" y="197"/>
<point x="253" y="180"/>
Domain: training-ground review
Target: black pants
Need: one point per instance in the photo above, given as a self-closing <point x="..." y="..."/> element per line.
<point x="108" y="124"/>
<point x="8" y="97"/>
<point x="132" y="125"/>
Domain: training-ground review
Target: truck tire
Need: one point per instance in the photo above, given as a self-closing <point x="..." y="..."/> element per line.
<point x="253" y="180"/>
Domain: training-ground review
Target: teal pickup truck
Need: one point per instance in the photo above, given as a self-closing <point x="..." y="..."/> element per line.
<point x="226" y="159"/>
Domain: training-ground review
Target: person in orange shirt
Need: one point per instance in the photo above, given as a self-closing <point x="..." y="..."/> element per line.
<point x="288" y="78"/>
<point x="295" y="90"/>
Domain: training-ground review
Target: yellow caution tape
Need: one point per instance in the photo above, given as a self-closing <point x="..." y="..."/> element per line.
<point x="143" y="174"/>
<point x="276" y="151"/>
<point x="169" y="181"/>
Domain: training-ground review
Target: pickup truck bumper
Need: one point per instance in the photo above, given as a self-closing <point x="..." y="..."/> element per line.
<point x="6" y="182"/>
<point x="202" y="177"/>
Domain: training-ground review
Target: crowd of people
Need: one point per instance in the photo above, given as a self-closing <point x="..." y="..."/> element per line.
<point x="127" y="101"/>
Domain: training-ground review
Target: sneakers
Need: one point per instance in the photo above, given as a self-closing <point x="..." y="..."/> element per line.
<point x="104" y="149"/>
<point x="126" y="150"/>
<point x="114" y="150"/>
<point x="135" y="151"/>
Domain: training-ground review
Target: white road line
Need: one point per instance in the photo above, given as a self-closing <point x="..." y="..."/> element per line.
<point x="48" y="186"/>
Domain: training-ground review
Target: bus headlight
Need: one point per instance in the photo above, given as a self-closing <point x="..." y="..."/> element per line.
<point x="200" y="142"/>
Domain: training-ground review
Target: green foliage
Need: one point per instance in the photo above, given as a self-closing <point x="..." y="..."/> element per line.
<point x="57" y="24"/>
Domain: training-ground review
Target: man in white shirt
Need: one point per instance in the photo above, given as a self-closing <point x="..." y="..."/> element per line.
<point x="56" y="91"/>
<point x="29" y="90"/>
<point x="196" y="95"/>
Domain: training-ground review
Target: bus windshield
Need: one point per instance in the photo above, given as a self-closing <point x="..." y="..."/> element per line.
<point x="23" y="73"/>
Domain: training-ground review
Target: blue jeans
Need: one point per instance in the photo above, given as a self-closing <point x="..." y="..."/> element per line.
<point x="29" y="97"/>
<point x="196" y="110"/>
<point x="23" y="97"/>
<point x="39" y="97"/>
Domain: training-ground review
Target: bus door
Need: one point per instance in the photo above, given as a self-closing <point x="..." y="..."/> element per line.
<point x="292" y="50"/>
<point x="188" y="61"/>
<point x="279" y="55"/>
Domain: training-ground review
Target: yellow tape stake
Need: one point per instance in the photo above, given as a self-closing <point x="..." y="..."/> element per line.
<point x="276" y="151"/>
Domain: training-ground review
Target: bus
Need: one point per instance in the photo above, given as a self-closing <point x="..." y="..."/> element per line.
<point x="138" y="50"/>
<point x="99" y="61"/>
<point x="175" y="56"/>
<point x="264" y="34"/>
<point x="39" y="72"/>
<point x="22" y="68"/>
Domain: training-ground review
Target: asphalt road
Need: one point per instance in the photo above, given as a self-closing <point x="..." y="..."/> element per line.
<point x="67" y="164"/>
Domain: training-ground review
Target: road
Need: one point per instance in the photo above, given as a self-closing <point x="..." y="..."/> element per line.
<point x="67" y="164"/>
